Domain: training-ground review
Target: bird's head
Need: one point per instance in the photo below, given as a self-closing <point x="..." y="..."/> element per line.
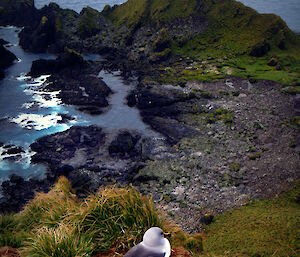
<point x="154" y="237"/>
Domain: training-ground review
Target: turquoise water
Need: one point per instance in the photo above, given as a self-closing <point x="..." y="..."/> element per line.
<point x="289" y="10"/>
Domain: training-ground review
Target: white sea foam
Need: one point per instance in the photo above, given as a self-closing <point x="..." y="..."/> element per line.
<point x="37" y="121"/>
<point x="23" y="77"/>
<point x="35" y="88"/>
<point x="23" y="157"/>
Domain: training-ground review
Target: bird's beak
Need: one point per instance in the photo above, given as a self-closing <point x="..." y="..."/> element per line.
<point x="166" y="234"/>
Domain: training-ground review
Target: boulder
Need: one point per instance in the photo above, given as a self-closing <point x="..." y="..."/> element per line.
<point x="7" y="59"/>
<point x="3" y="42"/>
<point x="68" y="59"/>
<point x="123" y="144"/>
<point x="260" y="49"/>
<point x="273" y="62"/>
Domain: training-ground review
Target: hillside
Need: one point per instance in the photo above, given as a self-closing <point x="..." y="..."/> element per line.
<point x="216" y="84"/>
<point x="233" y="38"/>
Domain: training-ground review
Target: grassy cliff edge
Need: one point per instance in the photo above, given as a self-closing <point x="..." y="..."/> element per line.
<point x="114" y="219"/>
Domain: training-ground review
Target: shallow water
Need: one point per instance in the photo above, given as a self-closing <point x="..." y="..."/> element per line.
<point x="27" y="112"/>
<point x="289" y="10"/>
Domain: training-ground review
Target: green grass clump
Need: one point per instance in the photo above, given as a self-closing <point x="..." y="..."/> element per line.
<point x="262" y="228"/>
<point x="234" y="167"/>
<point x="8" y="235"/>
<point x="61" y="241"/>
<point x="117" y="217"/>
<point x="219" y="114"/>
<point x="58" y="224"/>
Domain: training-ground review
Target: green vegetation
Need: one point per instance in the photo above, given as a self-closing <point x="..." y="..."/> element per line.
<point x="133" y="12"/>
<point x="167" y="10"/>
<point x="262" y="228"/>
<point x="233" y="33"/>
<point x="129" y="13"/>
<point x="220" y="114"/>
<point x="58" y="224"/>
<point x="234" y="167"/>
<point x="238" y="41"/>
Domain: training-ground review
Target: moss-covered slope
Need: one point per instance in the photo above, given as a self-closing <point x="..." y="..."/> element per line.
<point x="234" y="38"/>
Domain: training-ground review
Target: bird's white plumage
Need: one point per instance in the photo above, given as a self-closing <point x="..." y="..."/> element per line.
<point x="154" y="244"/>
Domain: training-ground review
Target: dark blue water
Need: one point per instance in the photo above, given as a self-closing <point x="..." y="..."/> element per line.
<point x="289" y="10"/>
<point x="27" y="112"/>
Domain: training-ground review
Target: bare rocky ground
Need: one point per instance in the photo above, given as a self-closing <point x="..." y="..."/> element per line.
<point x="244" y="147"/>
<point x="225" y="144"/>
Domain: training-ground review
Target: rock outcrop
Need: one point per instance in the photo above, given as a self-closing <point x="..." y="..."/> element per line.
<point x="7" y="59"/>
<point x="17" y="12"/>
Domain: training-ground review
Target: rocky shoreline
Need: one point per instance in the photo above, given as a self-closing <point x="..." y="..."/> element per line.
<point x="221" y="143"/>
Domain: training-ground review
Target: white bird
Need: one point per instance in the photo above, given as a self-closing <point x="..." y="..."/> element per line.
<point x="154" y="245"/>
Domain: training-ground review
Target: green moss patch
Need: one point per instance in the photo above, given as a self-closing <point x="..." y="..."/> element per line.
<point x="262" y="228"/>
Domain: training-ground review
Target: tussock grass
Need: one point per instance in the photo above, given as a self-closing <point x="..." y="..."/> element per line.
<point x="117" y="217"/>
<point x="60" y="241"/>
<point x="58" y="224"/>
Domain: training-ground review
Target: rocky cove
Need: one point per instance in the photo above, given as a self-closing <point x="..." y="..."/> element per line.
<point x="198" y="147"/>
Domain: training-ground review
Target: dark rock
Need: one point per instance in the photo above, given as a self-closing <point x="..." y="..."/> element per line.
<point x="16" y="192"/>
<point x="273" y="62"/>
<point x="68" y="59"/>
<point x="65" y="118"/>
<point x="123" y="144"/>
<point x="50" y="31"/>
<point x="15" y="179"/>
<point x="260" y="49"/>
<point x="7" y="59"/>
<point x="3" y="42"/>
<point x="162" y="41"/>
<point x="207" y="219"/>
<point x="17" y="12"/>
<point x="55" y="149"/>
<point x="131" y="99"/>
<point x="15" y="150"/>
<point x="298" y="199"/>
<point x="64" y="170"/>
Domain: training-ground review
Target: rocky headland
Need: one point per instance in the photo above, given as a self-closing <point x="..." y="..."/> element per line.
<point x="218" y="81"/>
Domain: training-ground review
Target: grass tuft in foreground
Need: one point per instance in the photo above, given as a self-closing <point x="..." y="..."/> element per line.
<point x="58" y="224"/>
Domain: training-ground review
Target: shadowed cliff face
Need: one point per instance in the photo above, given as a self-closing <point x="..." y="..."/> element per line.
<point x="17" y="12"/>
<point x="7" y="59"/>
